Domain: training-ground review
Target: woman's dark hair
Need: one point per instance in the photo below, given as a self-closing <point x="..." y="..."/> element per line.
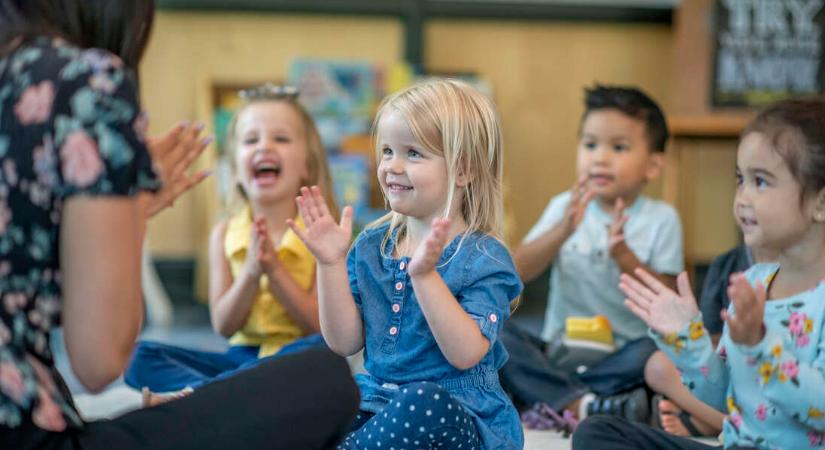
<point x="120" y="26"/>
<point x="796" y="131"/>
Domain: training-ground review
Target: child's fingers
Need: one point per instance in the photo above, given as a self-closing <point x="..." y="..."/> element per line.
<point x="733" y="322"/>
<point x="439" y="226"/>
<point x="346" y="218"/>
<point x="652" y="282"/>
<point x="578" y="186"/>
<point x="258" y="222"/>
<point x="618" y="209"/>
<point x="437" y="238"/>
<point x="619" y="224"/>
<point x="581" y="205"/>
<point x="683" y="285"/>
<point x="297" y="230"/>
<point x="639" y="311"/>
<point x="740" y="293"/>
<point x="615" y="240"/>
<point x="309" y="205"/>
<point x="635" y="296"/>
<point x="320" y="202"/>
<point x="300" y="202"/>
<point x="760" y="293"/>
<point x="632" y="287"/>
<point x="261" y="251"/>
<point x="734" y="325"/>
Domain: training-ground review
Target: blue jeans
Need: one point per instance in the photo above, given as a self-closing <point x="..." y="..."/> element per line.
<point x="531" y="377"/>
<point x="166" y="368"/>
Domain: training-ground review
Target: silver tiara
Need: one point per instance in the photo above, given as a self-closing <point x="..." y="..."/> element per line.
<point x="268" y="90"/>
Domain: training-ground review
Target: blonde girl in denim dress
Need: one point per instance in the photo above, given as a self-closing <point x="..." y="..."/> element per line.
<point x="425" y="289"/>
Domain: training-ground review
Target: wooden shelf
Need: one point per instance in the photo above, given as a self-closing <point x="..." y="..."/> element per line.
<point x="713" y="125"/>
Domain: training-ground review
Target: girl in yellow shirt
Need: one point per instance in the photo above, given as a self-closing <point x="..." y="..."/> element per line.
<point x="262" y="293"/>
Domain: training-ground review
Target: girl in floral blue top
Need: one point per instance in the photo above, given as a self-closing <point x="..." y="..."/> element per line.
<point x="768" y="373"/>
<point x="424" y="290"/>
<point x="78" y="180"/>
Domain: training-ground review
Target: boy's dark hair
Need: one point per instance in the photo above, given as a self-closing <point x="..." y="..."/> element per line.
<point x="631" y="102"/>
<point x="120" y="26"/>
<point x="796" y="131"/>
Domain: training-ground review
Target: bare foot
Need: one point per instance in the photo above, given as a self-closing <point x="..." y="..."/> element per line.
<point x="153" y="399"/>
<point x="669" y="417"/>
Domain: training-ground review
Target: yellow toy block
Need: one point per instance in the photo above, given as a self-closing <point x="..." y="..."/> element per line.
<point x="596" y="329"/>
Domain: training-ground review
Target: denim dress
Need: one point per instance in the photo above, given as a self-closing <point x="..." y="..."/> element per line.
<point x="399" y="345"/>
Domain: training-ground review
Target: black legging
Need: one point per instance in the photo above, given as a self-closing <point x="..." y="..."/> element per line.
<point x="616" y="433"/>
<point x="302" y="401"/>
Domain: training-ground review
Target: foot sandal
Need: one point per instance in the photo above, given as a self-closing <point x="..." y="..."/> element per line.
<point x="685" y="418"/>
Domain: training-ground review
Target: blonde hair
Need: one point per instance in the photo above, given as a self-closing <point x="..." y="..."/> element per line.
<point x="317" y="168"/>
<point x="452" y="119"/>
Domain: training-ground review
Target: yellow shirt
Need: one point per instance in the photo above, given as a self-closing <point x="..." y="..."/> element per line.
<point x="268" y="325"/>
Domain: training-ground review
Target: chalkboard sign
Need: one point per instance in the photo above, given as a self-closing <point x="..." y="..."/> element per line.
<point x="767" y="50"/>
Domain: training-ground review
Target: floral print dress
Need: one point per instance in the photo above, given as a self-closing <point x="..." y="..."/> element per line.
<point x="70" y="124"/>
<point x="773" y="392"/>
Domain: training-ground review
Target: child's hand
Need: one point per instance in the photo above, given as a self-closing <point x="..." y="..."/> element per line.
<point x="327" y="240"/>
<point x="615" y="231"/>
<point x="657" y="305"/>
<point x="746" y="326"/>
<point x="580" y="196"/>
<point x="252" y="263"/>
<point x="428" y="251"/>
<point x="265" y="255"/>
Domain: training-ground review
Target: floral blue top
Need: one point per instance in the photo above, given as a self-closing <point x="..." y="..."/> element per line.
<point x="773" y="392"/>
<point x="400" y="347"/>
<point x="70" y="124"/>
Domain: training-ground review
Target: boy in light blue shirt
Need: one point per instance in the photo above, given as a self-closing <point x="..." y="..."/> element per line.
<point x="591" y="234"/>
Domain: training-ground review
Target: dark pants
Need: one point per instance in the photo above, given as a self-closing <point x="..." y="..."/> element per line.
<point x="616" y="433"/>
<point x="531" y="377"/>
<point x="422" y="415"/>
<point x="166" y="368"/>
<point x="307" y="400"/>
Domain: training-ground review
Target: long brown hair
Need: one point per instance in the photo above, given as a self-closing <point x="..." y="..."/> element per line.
<point x="122" y="27"/>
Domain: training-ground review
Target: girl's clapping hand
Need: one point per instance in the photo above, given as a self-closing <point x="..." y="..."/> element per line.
<point x="746" y="326"/>
<point x="662" y="309"/>
<point x="429" y="251"/>
<point x="328" y="241"/>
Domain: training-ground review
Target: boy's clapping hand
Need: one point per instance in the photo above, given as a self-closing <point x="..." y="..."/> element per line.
<point x="580" y="196"/>
<point x="662" y="309"/>
<point x="615" y="231"/>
